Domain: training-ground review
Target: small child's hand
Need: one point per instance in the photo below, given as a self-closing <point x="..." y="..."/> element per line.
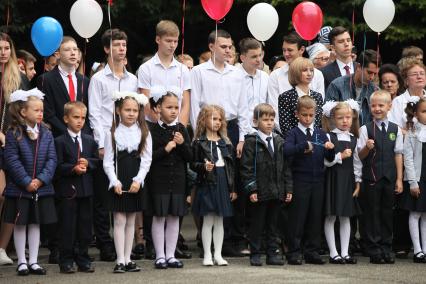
<point x="310" y="148"/>
<point x="233" y="196"/>
<point x="209" y="166"/>
<point x="178" y="138"/>
<point x="31" y="187"/>
<point x="2" y="139"/>
<point x="347" y="153"/>
<point x="328" y="145"/>
<point x="134" y="187"/>
<point x="253" y="197"/>
<point x="118" y="190"/>
<point x="288" y="197"/>
<point x="188" y="199"/>
<point x="370" y="144"/>
<point x="79" y="169"/>
<point x="356" y="191"/>
<point x="170" y="146"/>
<point x="415" y="192"/>
<point x="84" y="162"/>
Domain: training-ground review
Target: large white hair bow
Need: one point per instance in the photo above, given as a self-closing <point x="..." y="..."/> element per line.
<point x="21" y="95"/>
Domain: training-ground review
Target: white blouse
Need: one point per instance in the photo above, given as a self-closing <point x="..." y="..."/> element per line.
<point x="128" y="139"/>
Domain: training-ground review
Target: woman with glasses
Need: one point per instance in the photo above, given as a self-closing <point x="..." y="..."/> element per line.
<point x="318" y="54"/>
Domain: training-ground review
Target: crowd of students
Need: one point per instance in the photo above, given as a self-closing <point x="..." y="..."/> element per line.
<point x="267" y="163"/>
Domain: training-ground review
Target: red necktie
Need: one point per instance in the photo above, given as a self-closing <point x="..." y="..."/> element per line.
<point x="347" y="70"/>
<point x="71" y="88"/>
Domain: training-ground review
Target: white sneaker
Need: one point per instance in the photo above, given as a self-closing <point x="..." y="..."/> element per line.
<point x="4" y="259"/>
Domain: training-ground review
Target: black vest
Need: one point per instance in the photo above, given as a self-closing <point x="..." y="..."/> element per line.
<point x="380" y="162"/>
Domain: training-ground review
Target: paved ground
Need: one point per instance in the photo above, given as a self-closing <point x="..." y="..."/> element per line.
<point x="239" y="271"/>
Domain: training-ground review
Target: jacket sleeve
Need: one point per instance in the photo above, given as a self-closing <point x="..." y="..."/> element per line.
<point x="13" y="164"/>
<point x="198" y="164"/>
<point x="185" y="149"/>
<point x="290" y="146"/>
<point x="63" y="168"/>
<point x="247" y="166"/>
<point x="332" y="93"/>
<point x="49" y="110"/>
<point x="47" y="173"/>
<point x="409" y="161"/>
<point x="94" y="159"/>
<point x="288" y="176"/>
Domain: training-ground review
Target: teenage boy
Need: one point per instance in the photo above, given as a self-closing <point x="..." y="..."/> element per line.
<point x="255" y="85"/>
<point x="341" y="45"/>
<point x="77" y="158"/>
<point x="293" y="47"/>
<point x="163" y="70"/>
<point x="114" y="77"/>
<point x="26" y="62"/>
<point x="380" y="147"/>
<point x="62" y="85"/>
<point x="307" y="146"/>
<point x="267" y="179"/>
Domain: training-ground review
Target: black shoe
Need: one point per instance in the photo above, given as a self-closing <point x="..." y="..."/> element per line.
<point x="37" y="271"/>
<point x="135" y="256"/>
<point x="182" y="254"/>
<point x="139" y="249"/>
<point x="86" y="268"/>
<point x="402" y="254"/>
<point x="315" y="259"/>
<point x="229" y="251"/>
<point x="388" y="258"/>
<point x="274" y="260"/>
<point x="149" y="251"/>
<point x="108" y="254"/>
<point x="119" y="268"/>
<point x="350" y="260"/>
<point x="160" y="264"/>
<point x="336" y="260"/>
<point x="183" y="246"/>
<point x="66" y="269"/>
<point x="419" y="258"/>
<point x="294" y="261"/>
<point x="377" y="259"/>
<point x="255" y="260"/>
<point x="175" y="263"/>
<point x="22" y="272"/>
<point x="54" y="257"/>
<point x="132" y="267"/>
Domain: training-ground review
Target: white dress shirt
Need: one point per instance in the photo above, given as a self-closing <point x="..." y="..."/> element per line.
<point x="127" y="139"/>
<point x="64" y="76"/>
<point x="397" y="113"/>
<point x="346" y="136"/>
<point x="223" y="88"/>
<point x="263" y="136"/>
<point x="342" y="67"/>
<point x="304" y="128"/>
<point x="101" y="106"/>
<point x="255" y="88"/>
<point x="73" y="135"/>
<point x="278" y="83"/>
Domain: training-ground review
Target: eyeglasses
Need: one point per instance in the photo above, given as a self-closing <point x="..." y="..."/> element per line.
<point x="416" y="74"/>
<point x="324" y="58"/>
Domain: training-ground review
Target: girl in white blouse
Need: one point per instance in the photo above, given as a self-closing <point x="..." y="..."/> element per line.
<point x="128" y="155"/>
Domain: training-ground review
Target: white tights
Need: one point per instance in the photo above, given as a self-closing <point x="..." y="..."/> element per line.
<point x="168" y="236"/>
<point x="19" y="238"/>
<point x="124" y="230"/>
<point x="345" y="234"/>
<point x="413" y="223"/>
<point x="216" y="223"/>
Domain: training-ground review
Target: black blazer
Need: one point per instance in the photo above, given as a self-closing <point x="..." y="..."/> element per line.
<point x="56" y="96"/>
<point x="331" y="72"/>
<point x="67" y="182"/>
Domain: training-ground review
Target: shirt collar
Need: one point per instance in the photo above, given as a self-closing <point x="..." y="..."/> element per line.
<point x="64" y="73"/>
<point x="262" y="135"/>
<point x="107" y="71"/>
<point x="303" y="128"/>
<point x="160" y="122"/>
<point x="73" y="134"/>
<point x="156" y="60"/>
<point x="301" y="93"/>
<point x="342" y="65"/>
<point x="247" y="74"/>
<point x="379" y="122"/>
<point x="338" y="131"/>
<point x="132" y="127"/>
<point x="33" y="129"/>
<point x="210" y="65"/>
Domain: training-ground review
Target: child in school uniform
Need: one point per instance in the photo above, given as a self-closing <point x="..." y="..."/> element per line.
<point x="414" y="195"/>
<point x="307" y="146"/>
<point x="77" y="159"/>
<point x="128" y="155"/>
<point x="214" y="164"/>
<point x="30" y="162"/>
<point x="268" y="181"/>
<point x="166" y="182"/>
<point x="380" y="147"/>
<point x="342" y="176"/>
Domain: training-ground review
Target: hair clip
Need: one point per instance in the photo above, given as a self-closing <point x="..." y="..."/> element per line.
<point x="21" y="95"/>
<point x="140" y="98"/>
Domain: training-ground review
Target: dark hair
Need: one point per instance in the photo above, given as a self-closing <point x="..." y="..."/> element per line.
<point x="249" y="43"/>
<point x="141" y="123"/>
<point x="274" y="60"/>
<point x="410" y="109"/>
<point x="263" y="109"/>
<point x="219" y="33"/>
<point x="25" y="55"/>
<point x="336" y="31"/>
<point x="369" y="56"/>
<point x="154" y="104"/>
<point x="391" y="68"/>
<point x="294" y="38"/>
<point x="112" y="34"/>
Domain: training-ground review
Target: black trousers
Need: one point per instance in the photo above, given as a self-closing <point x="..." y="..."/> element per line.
<point x="263" y="219"/>
<point x="401" y="232"/>
<point x="75" y="228"/>
<point x="101" y="216"/>
<point x="305" y="219"/>
<point x="377" y="200"/>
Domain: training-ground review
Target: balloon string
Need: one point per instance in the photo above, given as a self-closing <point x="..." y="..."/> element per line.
<point x="7" y="16"/>
<point x="83" y="61"/>
<point x="183" y="41"/>
<point x="215" y="42"/>
<point x="353" y="23"/>
<point x="110" y="41"/>
<point x="378" y="49"/>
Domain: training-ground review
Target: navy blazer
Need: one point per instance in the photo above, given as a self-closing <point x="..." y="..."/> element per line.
<point x="19" y="162"/>
<point x="69" y="183"/>
<point x="56" y="96"/>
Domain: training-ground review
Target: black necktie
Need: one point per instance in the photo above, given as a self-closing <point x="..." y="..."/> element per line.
<point x="271" y="151"/>
<point x="308" y="134"/>
<point x="383" y="127"/>
<point x="76" y="144"/>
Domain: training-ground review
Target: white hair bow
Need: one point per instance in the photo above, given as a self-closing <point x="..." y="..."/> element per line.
<point x="157" y="92"/>
<point x="330" y="105"/>
<point x="140" y="98"/>
<point x="21" y="95"/>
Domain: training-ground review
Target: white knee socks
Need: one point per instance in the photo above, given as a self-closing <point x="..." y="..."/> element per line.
<point x="345" y="234"/>
<point x="129" y="235"/>
<point x="19" y="237"/>
<point x="216" y="223"/>
<point x="329" y="235"/>
<point x="218" y="237"/>
<point x="119" y="239"/>
<point x="413" y="224"/>
<point x="172" y="234"/>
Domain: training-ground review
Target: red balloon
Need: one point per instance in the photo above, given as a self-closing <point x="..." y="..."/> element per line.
<point x="307" y="20"/>
<point x="217" y="9"/>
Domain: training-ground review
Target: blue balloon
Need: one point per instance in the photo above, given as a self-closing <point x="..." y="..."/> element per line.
<point x="46" y="35"/>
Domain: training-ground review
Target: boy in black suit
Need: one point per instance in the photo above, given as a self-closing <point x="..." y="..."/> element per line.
<point x="77" y="158"/>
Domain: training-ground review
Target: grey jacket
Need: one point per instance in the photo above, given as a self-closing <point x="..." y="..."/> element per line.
<point x="413" y="155"/>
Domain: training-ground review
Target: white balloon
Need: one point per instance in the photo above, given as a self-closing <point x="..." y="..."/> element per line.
<point x="262" y="21"/>
<point x="378" y="14"/>
<point x="86" y="17"/>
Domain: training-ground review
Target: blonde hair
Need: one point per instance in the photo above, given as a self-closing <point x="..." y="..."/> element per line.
<point x="16" y="118"/>
<point x="328" y="123"/>
<point x="69" y="106"/>
<point x="206" y="113"/>
<point x="383" y="94"/>
<point x="166" y="28"/>
<point x="407" y="63"/>
<point x="11" y="80"/>
<point x="305" y="102"/>
<point x="296" y="68"/>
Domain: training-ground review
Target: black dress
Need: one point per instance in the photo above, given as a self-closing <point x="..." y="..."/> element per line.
<point x="408" y="201"/>
<point x="340" y="183"/>
<point x="127" y="168"/>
